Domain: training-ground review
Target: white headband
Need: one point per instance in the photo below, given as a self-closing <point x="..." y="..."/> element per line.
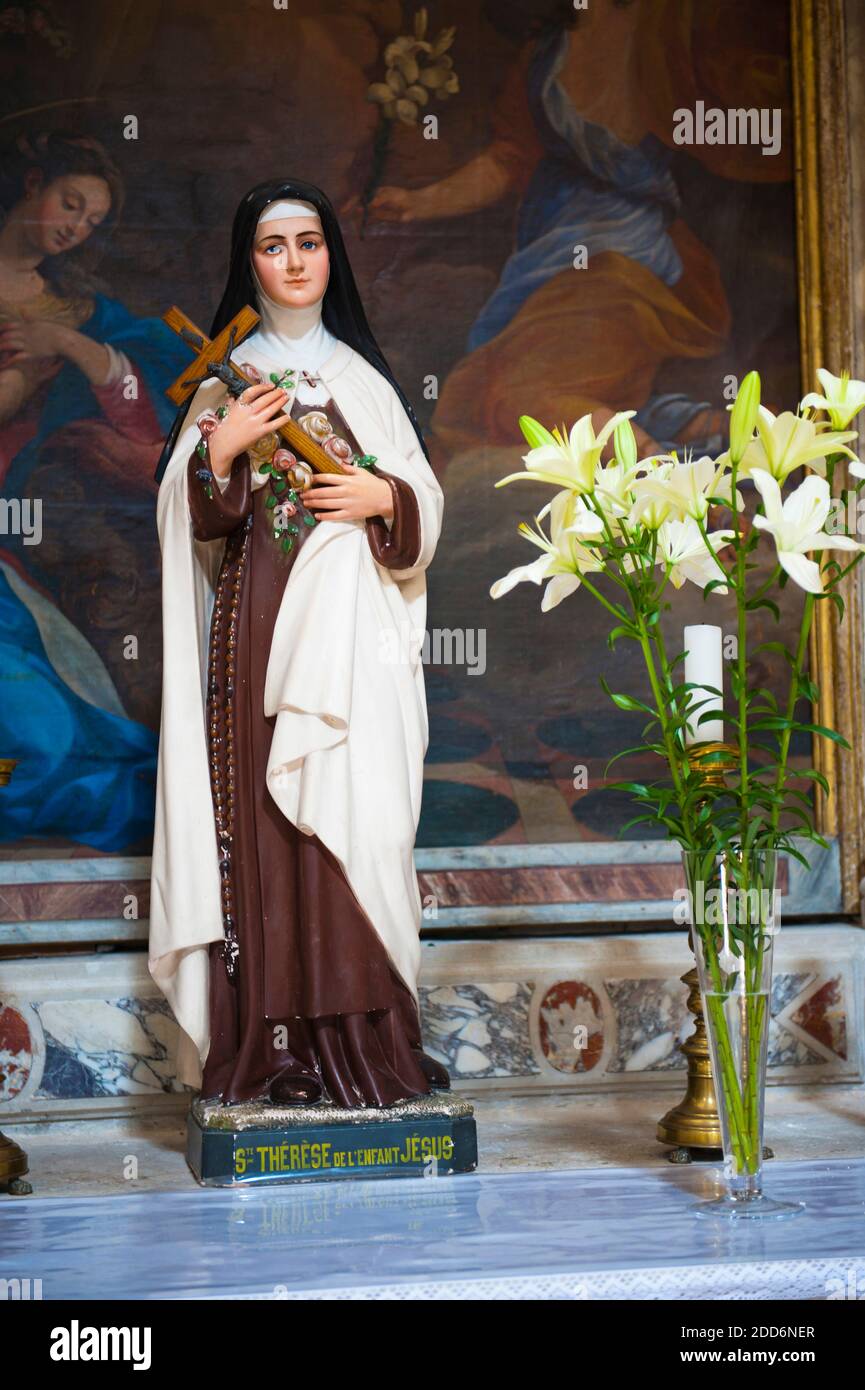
<point x="288" y="209"/>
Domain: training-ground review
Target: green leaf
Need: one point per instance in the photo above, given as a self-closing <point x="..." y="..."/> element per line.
<point x="814" y="775"/>
<point x="637" y="748"/>
<point x="754" y="603"/>
<point x="626" y="702"/>
<point x="712" y="584"/>
<point x="270" y="502"/>
<point x="823" y="732"/>
<point x="634" y="788"/>
<point x="636" y="821"/>
<point x="618" y="632"/>
<point x="762" y="691"/>
<point x="795" y="853"/>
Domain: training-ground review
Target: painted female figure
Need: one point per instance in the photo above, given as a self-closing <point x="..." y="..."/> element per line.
<point x="285" y="907"/>
<point x="82" y="417"/>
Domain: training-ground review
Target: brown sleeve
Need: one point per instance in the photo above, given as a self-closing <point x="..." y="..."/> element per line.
<point x="399" y="547"/>
<point x="216" y="513"/>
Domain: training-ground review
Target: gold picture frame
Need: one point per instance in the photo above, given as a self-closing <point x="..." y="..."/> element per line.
<point x="825" y="36"/>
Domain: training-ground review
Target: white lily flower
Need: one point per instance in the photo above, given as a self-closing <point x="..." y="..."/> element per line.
<point x="564" y="559"/>
<point x="584" y="522"/>
<point x="651" y="509"/>
<point x="614" y="489"/>
<point x="786" y="441"/>
<point x="842" y="397"/>
<point x="534" y="573"/>
<point x="681" y="544"/>
<point x="796" y="526"/>
<point x="569" y="460"/>
<point x="687" y="486"/>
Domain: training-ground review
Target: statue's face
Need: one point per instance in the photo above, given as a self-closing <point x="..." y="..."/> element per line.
<point x="291" y="260"/>
<point x="61" y="214"/>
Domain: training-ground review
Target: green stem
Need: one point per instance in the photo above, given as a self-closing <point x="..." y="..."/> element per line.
<point x="792" y="700"/>
<point x="741" y="664"/>
<point x="670" y="741"/>
<point x="737" y="1121"/>
<point x="636" y="598"/>
<point x="661" y="647"/>
<point x="596" y="593"/>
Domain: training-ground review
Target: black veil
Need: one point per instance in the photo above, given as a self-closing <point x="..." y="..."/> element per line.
<point x="342" y="311"/>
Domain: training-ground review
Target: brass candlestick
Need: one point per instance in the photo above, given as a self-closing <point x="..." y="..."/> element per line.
<point x="694" y="1123"/>
<point x="13" y="1159"/>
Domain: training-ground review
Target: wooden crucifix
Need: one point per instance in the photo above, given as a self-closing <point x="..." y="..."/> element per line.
<point x="213" y="358"/>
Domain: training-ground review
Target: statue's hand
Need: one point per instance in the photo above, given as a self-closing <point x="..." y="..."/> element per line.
<point x="255" y="413"/>
<point x="353" y="495"/>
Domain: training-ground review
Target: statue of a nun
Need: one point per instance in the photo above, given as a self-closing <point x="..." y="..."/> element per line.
<point x="285" y="907"/>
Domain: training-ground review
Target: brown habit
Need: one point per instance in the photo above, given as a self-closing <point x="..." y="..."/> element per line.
<point x="305" y="959"/>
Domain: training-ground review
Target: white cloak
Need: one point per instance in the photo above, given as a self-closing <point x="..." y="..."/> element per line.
<point x="346" y="686"/>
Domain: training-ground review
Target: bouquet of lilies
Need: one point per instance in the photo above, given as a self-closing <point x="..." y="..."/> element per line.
<point x="642" y="525"/>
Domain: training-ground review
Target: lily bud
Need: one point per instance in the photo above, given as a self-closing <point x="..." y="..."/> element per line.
<point x="626" y="444"/>
<point x="743" y="418"/>
<point x="535" y="433"/>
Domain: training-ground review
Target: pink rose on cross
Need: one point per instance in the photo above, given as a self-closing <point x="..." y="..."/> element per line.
<point x="283" y="459"/>
<point x="207" y="422"/>
<point x="338" y="449"/>
<point x="281" y="513"/>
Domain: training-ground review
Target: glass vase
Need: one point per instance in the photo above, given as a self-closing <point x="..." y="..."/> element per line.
<point x="731" y="902"/>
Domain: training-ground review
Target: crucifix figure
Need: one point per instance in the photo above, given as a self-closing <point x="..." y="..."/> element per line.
<point x="213" y="359"/>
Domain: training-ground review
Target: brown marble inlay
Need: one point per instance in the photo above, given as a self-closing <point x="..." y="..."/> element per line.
<point x="577" y="883"/>
<point x="570" y="883"/>
<point x="72" y="902"/>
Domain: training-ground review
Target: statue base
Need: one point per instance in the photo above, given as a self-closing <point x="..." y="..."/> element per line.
<point x="258" y="1141"/>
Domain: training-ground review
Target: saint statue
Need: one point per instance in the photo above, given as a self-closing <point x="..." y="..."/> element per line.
<point x="285" y="909"/>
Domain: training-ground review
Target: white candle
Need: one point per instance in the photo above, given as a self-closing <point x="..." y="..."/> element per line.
<point x="704" y="666"/>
